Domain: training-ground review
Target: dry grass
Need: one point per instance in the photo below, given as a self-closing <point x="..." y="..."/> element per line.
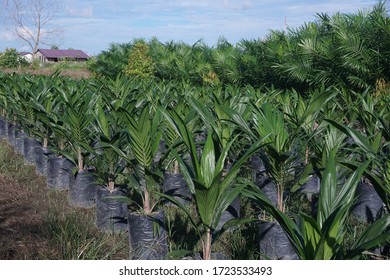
<point x="38" y="223"/>
<point x="72" y="73"/>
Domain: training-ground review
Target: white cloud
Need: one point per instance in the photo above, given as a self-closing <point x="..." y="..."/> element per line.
<point x="92" y="24"/>
<point x="329" y="7"/>
<point x="86" y="12"/>
<point x="6" y="35"/>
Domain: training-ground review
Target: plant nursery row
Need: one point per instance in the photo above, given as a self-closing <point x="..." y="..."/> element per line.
<point x="297" y="168"/>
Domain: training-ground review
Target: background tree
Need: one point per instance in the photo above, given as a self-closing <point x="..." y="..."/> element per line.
<point x="11" y="59"/>
<point x="32" y="20"/>
<point x="140" y="62"/>
<point x="111" y="62"/>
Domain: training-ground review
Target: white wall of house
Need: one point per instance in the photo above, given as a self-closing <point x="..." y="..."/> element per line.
<point x="28" y="57"/>
<point x="40" y="57"/>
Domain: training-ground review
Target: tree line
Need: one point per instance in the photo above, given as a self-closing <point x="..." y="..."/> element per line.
<point x="351" y="50"/>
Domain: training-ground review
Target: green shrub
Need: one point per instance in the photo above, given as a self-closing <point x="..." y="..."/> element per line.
<point x="140" y="62"/>
<point x="10" y="58"/>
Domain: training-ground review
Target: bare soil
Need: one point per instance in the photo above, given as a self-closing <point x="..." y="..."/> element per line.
<point x="76" y="74"/>
<point x="22" y="231"/>
<point x="29" y="212"/>
<point x="22" y="234"/>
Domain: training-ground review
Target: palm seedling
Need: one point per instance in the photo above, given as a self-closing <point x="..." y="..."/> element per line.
<point x="370" y="146"/>
<point x="322" y="237"/>
<point x="3" y="105"/>
<point x="110" y="140"/>
<point x="215" y="116"/>
<point x="111" y="211"/>
<point x="212" y="186"/>
<point x="76" y="131"/>
<point x="78" y="101"/>
<point x="45" y="104"/>
<point x="27" y="119"/>
<point x="144" y="135"/>
<point x="141" y="124"/>
<point x="12" y="102"/>
<point x="279" y="155"/>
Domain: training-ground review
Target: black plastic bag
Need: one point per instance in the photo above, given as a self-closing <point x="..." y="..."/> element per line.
<point x="274" y="243"/>
<point x="268" y="187"/>
<point x="42" y="157"/>
<point x="147" y="236"/>
<point x="18" y="141"/>
<point x="3" y="128"/>
<point x="29" y="145"/>
<point x="257" y="164"/>
<point x="368" y="204"/>
<point x="11" y="133"/>
<point x="175" y="186"/>
<point x="311" y="187"/>
<point x="232" y="212"/>
<point x="59" y="175"/>
<point x="82" y="191"/>
<point x="111" y="214"/>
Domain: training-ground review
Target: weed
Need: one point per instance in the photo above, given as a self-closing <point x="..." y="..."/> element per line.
<point x="77" y="239"/>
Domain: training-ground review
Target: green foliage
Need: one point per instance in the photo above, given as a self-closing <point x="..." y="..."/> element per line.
<point x="322" y="237"/>
<point x="124" y="119"/>
<point x="112" y="62"/>
<point x="143" y="132"/>
<point x="76" y="118"/>
<point x="213" y="187"/>
<point x="342" y="50"/>
<point x="10" y="58"/>
<point x="140" y="62"/>
<point x="76" y="241"/>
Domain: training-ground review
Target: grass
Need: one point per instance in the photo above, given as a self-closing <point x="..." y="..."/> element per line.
<point x="38" y="223"/>
<point x="76" y="70"/>
<point x="76" y="241"/>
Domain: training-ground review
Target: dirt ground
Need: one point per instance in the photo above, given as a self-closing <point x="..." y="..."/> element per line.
<point x="38" y="223"/>
<point x="22" y="231"/>
<point x="76" y="74"/>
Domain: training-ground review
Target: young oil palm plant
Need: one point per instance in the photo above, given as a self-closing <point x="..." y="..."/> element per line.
<point x="110" y="140"/>
<point x="144" y="137"/>
<point x="78" y="101"/>
<point x="111" y="210"/>
<point x="23" y="115"/>
<point x="322" y="237"/>
<point x="279" y="155"/>
<point x="146" y="233"/>
<point x="75" y="128"/>
<point x="215" y="116"/>
<point x="27" y="117"/>
<point x="3" y="106"/>
<point x="11" y="99"/>
<point x="373" y="147"/>
<point x="212" y="187"/>
<point x="44" y="104"/>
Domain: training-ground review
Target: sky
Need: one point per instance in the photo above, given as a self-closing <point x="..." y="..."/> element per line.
<point x="91" y="25"/>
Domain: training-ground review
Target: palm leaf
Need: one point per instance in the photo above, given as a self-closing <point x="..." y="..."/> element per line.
<point x="374" y="235"/>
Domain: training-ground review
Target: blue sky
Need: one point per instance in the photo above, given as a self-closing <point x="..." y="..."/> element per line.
<point x="91" y="25"/>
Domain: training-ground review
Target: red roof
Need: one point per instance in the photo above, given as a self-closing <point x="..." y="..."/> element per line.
<point x="49" y="53"/>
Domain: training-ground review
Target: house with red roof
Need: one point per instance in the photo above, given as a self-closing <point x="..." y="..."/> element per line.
<point x="49" y="55"/>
